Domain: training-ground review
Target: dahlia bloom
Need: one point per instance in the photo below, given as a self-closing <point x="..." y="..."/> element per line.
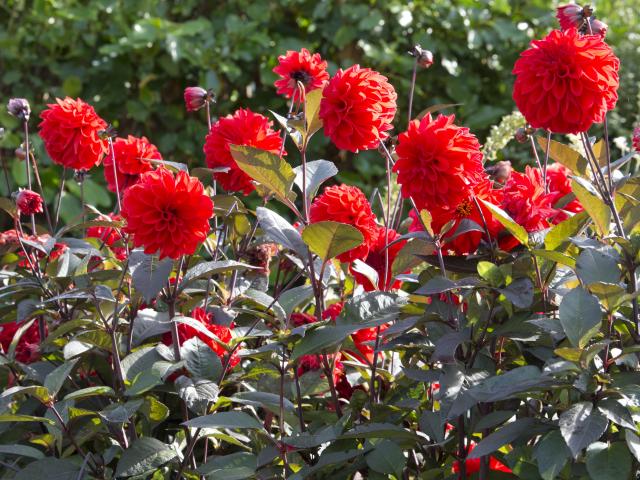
<point x="559" y="184"/>
<point x="636" y="139"/>
<point x="566" y="81"/>
<point x="28" y="348"/>
<point x="437" y="162"/>
<point x="243" y="128"/>
<point x="473" y="465"/>
<point x="28" y="202"/>
<point x="195" y="98"/>
<point x="134" y="155"/>
<point x="357" y="108"/>
<point x="332" y="311"/>
<point x="167" y="214"/>
<point x="364" y="340"/>
<point x="346" y="204"/>
<point x="70" y="132"/>
<point x="376" y="260"/>
<point x="527" y="203"/>
<point x="312" y="362"/>
<point x="298" y="319"/>
<point x="303" y="67"/>
<point x="109" y="235"/>
<point x="223" y="333"/>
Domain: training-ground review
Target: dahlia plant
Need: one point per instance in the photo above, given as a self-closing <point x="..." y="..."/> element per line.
<point x="256" y="319"/>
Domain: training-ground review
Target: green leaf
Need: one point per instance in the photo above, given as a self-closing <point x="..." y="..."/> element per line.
<point x="554" y="256"/>
<point x="379" y="430"/>
<point x="280" y="231"/>
<point x="16" y="338"/>
<point x="321" y="339"/>
<point x="491" y="273"/>
<point x="312" y="110"/>
<point x="235" y="466"/>
<point x="595" y="207"/>
<point x="90" y="392"/>
<point x="371" y="309"/>
<point x="149" y="323"/>
<point x="441" y="284"/>
<point x="149" y="274"/>
<point x="565" y="155"/>
<point x="518" y="231"/>
<point x="201" y="361"/>
<point x="561" y="232"/>
<point x="292" y="298"/>
<point x="580" y="316"/>
<point x="608" y="462"/>
<point x="387" y="457"/>
<point x="50" y="468"/>
<point x="41" y="393"/>
<point x="232" y="419"/>
<point x="594" y="266"/>
<point x="143" y="457"/>
<point x="197" y="393"/>
<point x="507" y="434"/>
<point x="9" y="206"/>
<point x="21" y="450"/>
<point x="56" y="379"/>
<point x="270" y="401"/>
<point x="266" y="168"/>
<point x="7" y="417"/>
<point x="617" y="413"/>
<point x="551" y="454"/>
<point x="633" y="443"/>
<point x="206" y="269"/>
<point x="317" y="172"/>
<point x="581" y="426"/>
<point x="329" y="239"/>
<point x="519" y="292"/>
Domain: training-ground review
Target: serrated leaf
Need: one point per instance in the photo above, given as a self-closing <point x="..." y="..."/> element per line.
<point x="266" y="168"/>
<point x="329" y="239"/>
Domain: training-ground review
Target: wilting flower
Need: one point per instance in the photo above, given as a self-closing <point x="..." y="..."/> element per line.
<point x="501" y="171"/>
<point x="437" y="162"/>
<point x="566" y="82"/>
<point x="473" y="465"/>
<point x="19" y="108"/>
<point x="243" y="128"/>
<point x="303" y="67"/>
<point x="28" y="347"/>
<point x="70" y="132"/>
<point x="527" y="203"/>
<point x="222" y="332"/>
<point x="575" y="16"/>
<point x="346" y="204"/>
<point x="134" y="155"/>
<point x="357" y="108"/>
<point x="167" y="214"/>
<point x="109" y="235"/>
<point x="636" y="139"/>
<point x="196" y="97"/>
<point x="376" y="260"/>
<point x="559" y="185"/>
<point x="28" y="202"/>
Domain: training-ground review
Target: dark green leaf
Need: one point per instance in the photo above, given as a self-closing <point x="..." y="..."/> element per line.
<point x="149" y="274"/>
<point x="225" y="420"/>
<point x="387" y="457"/>
<point x="595" y="266"/>
<point x="144" y="456"/>
<point x="608" y="462"/>
<point x="580" y="316"/>
<point x="280" y="231"/>
<point x="507" y="434"/>
<point x="56" y="379"/>
<point x="552" y="454"/>
<point x="317" y="172"/>
<point x="201" y="361"/>
<point x="235" y="466"/>
<point x="329" y="239"/>
<point x="581" y="426"/>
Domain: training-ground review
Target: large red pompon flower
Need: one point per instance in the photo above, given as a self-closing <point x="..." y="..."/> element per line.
<point x="347" y="204"/>
<point x="167" y="214"/>
<point x="437" y="162"/>
<point x="303" y="67"/>
<point x="134" y="155"/>
<point x="566" y="82"/>
<point x="243" y="128"/>
<point x="357" y="108"/>
<point x="69" y="130"/>
<point x="376" y="259"/>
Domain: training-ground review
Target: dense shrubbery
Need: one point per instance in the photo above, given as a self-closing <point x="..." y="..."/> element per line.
<point x="467" y="319"/>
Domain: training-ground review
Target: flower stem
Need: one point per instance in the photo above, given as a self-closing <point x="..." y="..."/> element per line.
<point x="412" y="89"/>
<point x="36" y="175"/>
<point x="115" y="173"/>
<point x="63" y="176"/>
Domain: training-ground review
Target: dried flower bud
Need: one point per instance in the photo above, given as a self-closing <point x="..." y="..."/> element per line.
<point x="197" y="97"/>
<point x="423" y="57"/>
<point x="521" y="135"/>
<point x="502" y="171"/>
<point x="571" y="15"/>
<point x="20" y="153"/>
<point x="28" y="202"/>
<point x="108" y="132"/>
<point x="19" y="108"/>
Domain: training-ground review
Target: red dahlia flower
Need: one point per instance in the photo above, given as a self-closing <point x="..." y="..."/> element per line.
<point x="346" y="204"/>
<point x="364" y="340"/>
<point x="28" y="348"/>
<point x="223" y="333"/>
<point x="332" y="311"/>
<point x="527" y="203"/>
<point x="473" y="466"/>
<point x="134" y="155"/>
<point x="298" y="319"/>
<point x="109" y="235"/>
<point x="167" y="214"/>
<point x="312" y="362"/>
<point x="357" y="108"/>
<point x="559" y="185"/>
<point x="376" y="260"/>
<point x="636" y="139"/>
<point x="69" y="130"/>
<point x="243" y="128"/>
<point x="28" y="202"/>
<point x="437" y="162"/>
<point x="566" y="82"/>
<point x="303" y="67"/>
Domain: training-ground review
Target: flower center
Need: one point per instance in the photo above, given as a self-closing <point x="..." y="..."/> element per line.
<point x="168" y="214"/>
<point x="464" y="209"/>
<point x="301" y="76"/>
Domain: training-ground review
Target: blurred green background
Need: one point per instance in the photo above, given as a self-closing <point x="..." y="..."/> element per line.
<point x="132" y="59"/>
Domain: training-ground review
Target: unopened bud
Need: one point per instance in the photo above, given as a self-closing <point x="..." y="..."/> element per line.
<point x="21" y="153"/>
<point x="80" y="175"/>
<point x="108" y="132"/>
<point x="502" y="171"/>
<point x="521" y="135"/>
<point x="197" y="97"/>
<point x="423" y="57"/>
<point x="19" y="108"/>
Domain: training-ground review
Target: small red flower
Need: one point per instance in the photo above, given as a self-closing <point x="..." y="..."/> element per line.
<point x="70" y="132"/>
<point x="566" y="82"/>
<point x="527" y="203"/>
<point x="309" y="363"/>
<point x="636" y="139"/>
<point x="223" y="333"/>
<point x="473" y="466"/>
<point x="346" y="204"/>
<point x="332" y="311"/>
<point x="437" y="162"/>
<point x="134" y="155"/>
<point x="195" y="98"/>
<point x="303" y="67"/>
<point x="559" y="185"/>
<point x="36" y="255"/>
<point x="28" y="202"/>
<point x="357" y="108"/>
<point x="167" y="214"/>
<point x="298" y="319"/>
<point x="364" y="340"/>
<point x="243" y="128"/>
<point x="376" y="260"/>
<point x="28" y="348"/>
<point x="109" y="235"/>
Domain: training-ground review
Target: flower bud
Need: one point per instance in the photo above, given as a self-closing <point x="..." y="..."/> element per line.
<point x="571" y="15"/>
<point x="20" y="153"/>
<point x="109" y="132"/>
<point x="197" y="97"/>
<point x="636" y="139"/>
<point x="80" y="175"/>
<point x="423" y="57"/>
<point x="502" y="171"/>
<point x="521" y="135"/>
<point x="28" y="202"/>
<point x="19" y="108"/>
<point x="597" y="27"/>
